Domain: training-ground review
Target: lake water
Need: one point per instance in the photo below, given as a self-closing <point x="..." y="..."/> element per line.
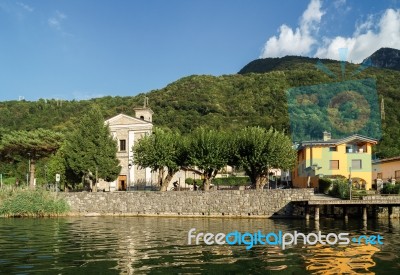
<point x="147" y="245"/>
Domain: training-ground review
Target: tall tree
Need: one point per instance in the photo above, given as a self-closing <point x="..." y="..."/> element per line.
<point x="208" y="152"/>
<point x="163" y="151"/>
<point x="90" y="148"/>
<point x="56" y="165"/>
<point x="31" y="145"/>
<point x="257" y="150"/>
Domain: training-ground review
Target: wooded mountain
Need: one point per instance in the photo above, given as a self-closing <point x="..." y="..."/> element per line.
<point x="386" y="58"/>
<point x="224" y="102"/>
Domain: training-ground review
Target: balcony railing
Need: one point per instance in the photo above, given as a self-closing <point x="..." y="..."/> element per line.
<point x="355" y="151"/>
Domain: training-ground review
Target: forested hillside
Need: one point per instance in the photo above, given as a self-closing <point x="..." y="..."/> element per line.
<point x="224" y="102"/>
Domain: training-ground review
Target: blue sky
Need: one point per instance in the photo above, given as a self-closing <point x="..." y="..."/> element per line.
<point x="78" y="49"/>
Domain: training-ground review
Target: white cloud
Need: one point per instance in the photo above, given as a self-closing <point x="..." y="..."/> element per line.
<point x="368" y="37"/>
<point x="56" y="20"/>
<point x="25" y="7"/>
<point x="297" y="41"/>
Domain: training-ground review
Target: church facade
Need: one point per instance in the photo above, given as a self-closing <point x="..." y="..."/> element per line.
<point x="127" y="130"/>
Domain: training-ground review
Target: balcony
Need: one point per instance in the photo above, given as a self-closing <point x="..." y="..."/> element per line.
<point x="356" y="149"/>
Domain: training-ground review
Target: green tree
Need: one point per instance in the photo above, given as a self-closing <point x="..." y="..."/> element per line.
<point x="90" y="148"/>
<point x="56" y="165"/>
<point x="31" y="145"/>
<point x="162" y="152"/>
<point x="208" y="152"/>
<point x="257" y="150"/>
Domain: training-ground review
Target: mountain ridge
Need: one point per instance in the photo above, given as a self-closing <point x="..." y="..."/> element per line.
<point x="384" y="58"/>
<point x="387" y="58"/>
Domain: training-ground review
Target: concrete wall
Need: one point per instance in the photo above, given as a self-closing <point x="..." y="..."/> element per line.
<point x="249" y="203"/>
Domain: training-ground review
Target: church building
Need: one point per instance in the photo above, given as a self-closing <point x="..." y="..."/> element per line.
<point x="127" y="130"/>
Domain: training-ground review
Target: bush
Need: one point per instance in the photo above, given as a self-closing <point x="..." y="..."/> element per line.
<point x="25" y="202"/>
<point x="232" y="181"/>
<point x="324" y="185"/>
<point x="340" y="189"/>
<point x="337" y="177"/>
<point x="391" y="189"/>
<point x="189" y="181"/>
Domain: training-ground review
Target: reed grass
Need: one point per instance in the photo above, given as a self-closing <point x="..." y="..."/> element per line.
<point x="19" y="202"/>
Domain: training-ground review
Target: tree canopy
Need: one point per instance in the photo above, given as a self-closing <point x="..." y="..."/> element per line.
<point x="257" y="150"/>
<point x="208" y="152"/>
<point x="163" y="151"/>
<point x="32" y="145"/>
<point x="90" y="148"/>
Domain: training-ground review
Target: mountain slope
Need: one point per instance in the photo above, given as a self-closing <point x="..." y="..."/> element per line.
<point x="265" y="65"/>
<point x="387" y="58"/>
<point x="224" y="102"/>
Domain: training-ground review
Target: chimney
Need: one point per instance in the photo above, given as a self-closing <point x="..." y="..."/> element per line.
<point x="326" y="135"/>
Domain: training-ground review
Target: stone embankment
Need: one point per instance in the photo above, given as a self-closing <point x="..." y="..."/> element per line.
<point x="248" y="203"/>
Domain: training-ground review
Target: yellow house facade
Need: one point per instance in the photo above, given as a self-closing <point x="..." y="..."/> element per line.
<point x="349" y="157"/>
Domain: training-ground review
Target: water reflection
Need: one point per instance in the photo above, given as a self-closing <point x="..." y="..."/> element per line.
<point x="139" y="245"/>
<point x="340" y="260"/>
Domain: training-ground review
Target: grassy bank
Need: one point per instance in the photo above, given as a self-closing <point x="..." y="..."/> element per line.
<point x="31" y="203"/>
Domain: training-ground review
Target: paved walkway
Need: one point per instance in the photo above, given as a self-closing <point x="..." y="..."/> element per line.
<point x="323" y="197"/>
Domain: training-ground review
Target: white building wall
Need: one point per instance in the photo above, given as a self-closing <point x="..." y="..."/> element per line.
<point x="131" y="141"/>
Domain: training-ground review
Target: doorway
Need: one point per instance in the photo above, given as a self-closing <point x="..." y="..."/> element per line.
<point x="122" y="181"/>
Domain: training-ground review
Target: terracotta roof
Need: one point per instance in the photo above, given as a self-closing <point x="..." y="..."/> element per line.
<point x="352" y="138"/>
<point x="386" y="160"/>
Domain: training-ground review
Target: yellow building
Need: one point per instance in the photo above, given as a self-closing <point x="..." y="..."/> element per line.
<point x="349" y="157"/>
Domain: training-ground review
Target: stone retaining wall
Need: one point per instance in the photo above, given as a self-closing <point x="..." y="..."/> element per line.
<point x="249" y="203"/>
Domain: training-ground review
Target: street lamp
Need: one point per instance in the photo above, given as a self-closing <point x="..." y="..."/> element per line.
<point x="129" y="176"/>
<point x="194" y="181"/>
<point x="350" y="183"/>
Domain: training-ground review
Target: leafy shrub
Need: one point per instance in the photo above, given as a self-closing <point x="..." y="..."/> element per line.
<point x="24" y="202"/>
<point x="391" y="189"/>
<point x="232" y="181"/>
<point x="324" y="185"/>
<point x="340" y="189"/>
<point x="340" y="177"/>
<point x="190" y="181"/>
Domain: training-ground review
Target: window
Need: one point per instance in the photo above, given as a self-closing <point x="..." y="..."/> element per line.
<point x="333" y="148"/>
<point x="397" y="174"/>
<point x="356" y="164"/>
<point x="142" y="117"/>
<point x="379" y="176"/>
<point x="122" y="145"/>
<point x="334" y="164"/>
